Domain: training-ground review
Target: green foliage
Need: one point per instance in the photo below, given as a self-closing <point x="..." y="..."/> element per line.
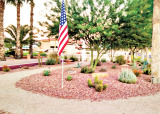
<point x="90" y="83"/>
<point x="96" y="79"/>
<point x="103" y="60"/>
<point x="105" y="86"/>
<point x="50" y="61"/>
<point x="114" y="66"/>
<point x="46" y="73"/>
<point x="147" y="71"/>
<point x="69" y="78"/>
<point x="5" y="68"/>
<point x="127" y="76"/>
<point x="43" y="54"/>
<point x="73" y="58"/>
<point x="120" y="60"/>
<point x="100" y="82"/>
<point x="86" y="70"/>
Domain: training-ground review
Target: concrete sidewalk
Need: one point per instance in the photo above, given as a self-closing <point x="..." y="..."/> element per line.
<point x="19" y="101"/>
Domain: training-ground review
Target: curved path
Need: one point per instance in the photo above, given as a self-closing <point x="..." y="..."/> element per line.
<point x="18" y="101"/>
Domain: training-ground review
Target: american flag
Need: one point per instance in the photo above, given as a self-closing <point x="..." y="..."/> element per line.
<point x="63" y="31"/>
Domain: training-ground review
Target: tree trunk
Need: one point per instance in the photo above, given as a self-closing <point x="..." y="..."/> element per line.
<point x="142" y="55"/>
<point x="155" y="67"/>
<point x="91" y="58"/>
<point x="31" y="29"/>
<point x="147" y="55"/>
<point x="18" y="49"/>
<point x="2" y="49"/>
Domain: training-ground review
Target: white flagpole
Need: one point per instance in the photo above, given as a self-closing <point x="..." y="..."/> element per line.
<point x="62" y="69"/>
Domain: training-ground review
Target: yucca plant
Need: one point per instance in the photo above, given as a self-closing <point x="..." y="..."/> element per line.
<point x="46" y="73"/>
<point x="127" y="76"/>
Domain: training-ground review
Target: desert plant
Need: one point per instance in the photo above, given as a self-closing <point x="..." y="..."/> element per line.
<point x="105" y="86"/>
<point x="5" y="68"/>
<point x="50" y="61"/>
<point x="98" y="64"/>
<point x="100" y="82"/>
<point x="73" y="58"/>
<point x="69" y="78"/>
<point x="120" y="60"/>
<point x="46" y="73"/>
<point x="127" y="76"/>
<point x="96" y="79"/>
<point x="137" y="72"/>
<point x="90" y="83"/>
<point x="114" y="66"/>
<point x="86" y="70"/>
<point x="103" y="69"/>
<point x="103" y="60"/>
<point x="25" y="67"/>
<point x="147" y="71"/>
<point x="99" y="88"/>
<point x="54" y="56"/>
<point x="43" y="54"/>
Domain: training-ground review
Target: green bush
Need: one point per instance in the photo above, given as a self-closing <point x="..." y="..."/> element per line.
<point x="69" y="78"/>
<point x="114" y="66"/>
<point x="103" y="60"/>
<point x="73" y="58"/>
<point x="43" y="54"/>
<point x="147" y="71"/>
<point x="120" y="60"/>
<point x="90" y="83"/>
<point x="100" y="82"/>
<point x="127" y="76"/>
<point x="5" y="68"/>
<point x="96" y="79"/>
<point x="50" y="61"/>
<point x="46" y="73"/>
<point x="86" y="70"/>
<point x="105" y="86"/>
<point x="99" y="88"/>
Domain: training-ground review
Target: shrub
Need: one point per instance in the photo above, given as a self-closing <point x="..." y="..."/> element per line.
<point x="50" y="61"/>
<point x="103" y="60"/>
<point x="90" y="83"/>
<point x="127" y="76"/>
<point x="43" y="54"/>
<point x="87" y="52"/>
<point x="46" y="73"/>
<point x="103" y="69"/>
<point x="137" y="72"/>
<point x="69" y="78"/>
<point x="99" y="87"/>
<point x="96" y="79"/>
<point x="147" y="71"/>
<point x="100" y="82"/>
<point x="86" y="70"/>
<point x="105" y="86"/>
<point x="5" y="68"/>
<point x="114" y="66"/>
<point x="98" y="64"/>
<point x="25" y="67"/>
<point x="73" y="58"/>
<point x="140" y="64"/>
<point x="120" y="60"/>
<point x="54" y="56"/>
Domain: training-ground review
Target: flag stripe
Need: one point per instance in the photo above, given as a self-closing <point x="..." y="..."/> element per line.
<point x="63" y="38"/>
<point x="63" y="47"/>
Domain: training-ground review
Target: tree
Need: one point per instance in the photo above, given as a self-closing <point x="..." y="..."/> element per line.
<point x="18" y="4"/>
<point x="136" y="25"/>
<point x="12" y="31"/>
<point x="155" y="42"/>
<point x="2" y="49"/>
<point x="31" y="28"/>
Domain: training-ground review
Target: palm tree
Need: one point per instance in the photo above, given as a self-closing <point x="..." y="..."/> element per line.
<point x="18" y="4"/>
<point x="31" y="27"/>
<point x="155" y="42"/>
<point x="2" y="49"/>
<point x="12" y="31"/>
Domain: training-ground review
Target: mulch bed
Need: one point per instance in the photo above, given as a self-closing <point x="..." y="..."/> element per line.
<point x="78" y="87"/>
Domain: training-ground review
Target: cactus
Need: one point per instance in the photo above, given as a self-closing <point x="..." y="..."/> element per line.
<point x="105" y="86"/>
<point x="99" y="87"/>
<point x="100" y="82"/>
<point x="90" y="83"/>
<point x="96" y="80"/>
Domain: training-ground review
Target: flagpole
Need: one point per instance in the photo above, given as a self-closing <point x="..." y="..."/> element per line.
<point x="62" y="69"/>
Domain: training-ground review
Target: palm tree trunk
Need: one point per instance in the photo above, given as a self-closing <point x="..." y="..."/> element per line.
<point x="31" y="28"/>
<point x="18" y="50"/>
<point x="155" y="43"/>
<point x="2" y="49"/>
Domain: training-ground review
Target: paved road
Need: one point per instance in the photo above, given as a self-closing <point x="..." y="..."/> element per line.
<point x="19" y="101"/>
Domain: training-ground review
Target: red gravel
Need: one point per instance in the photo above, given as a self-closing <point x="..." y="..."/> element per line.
<point x="78" y="88"/>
